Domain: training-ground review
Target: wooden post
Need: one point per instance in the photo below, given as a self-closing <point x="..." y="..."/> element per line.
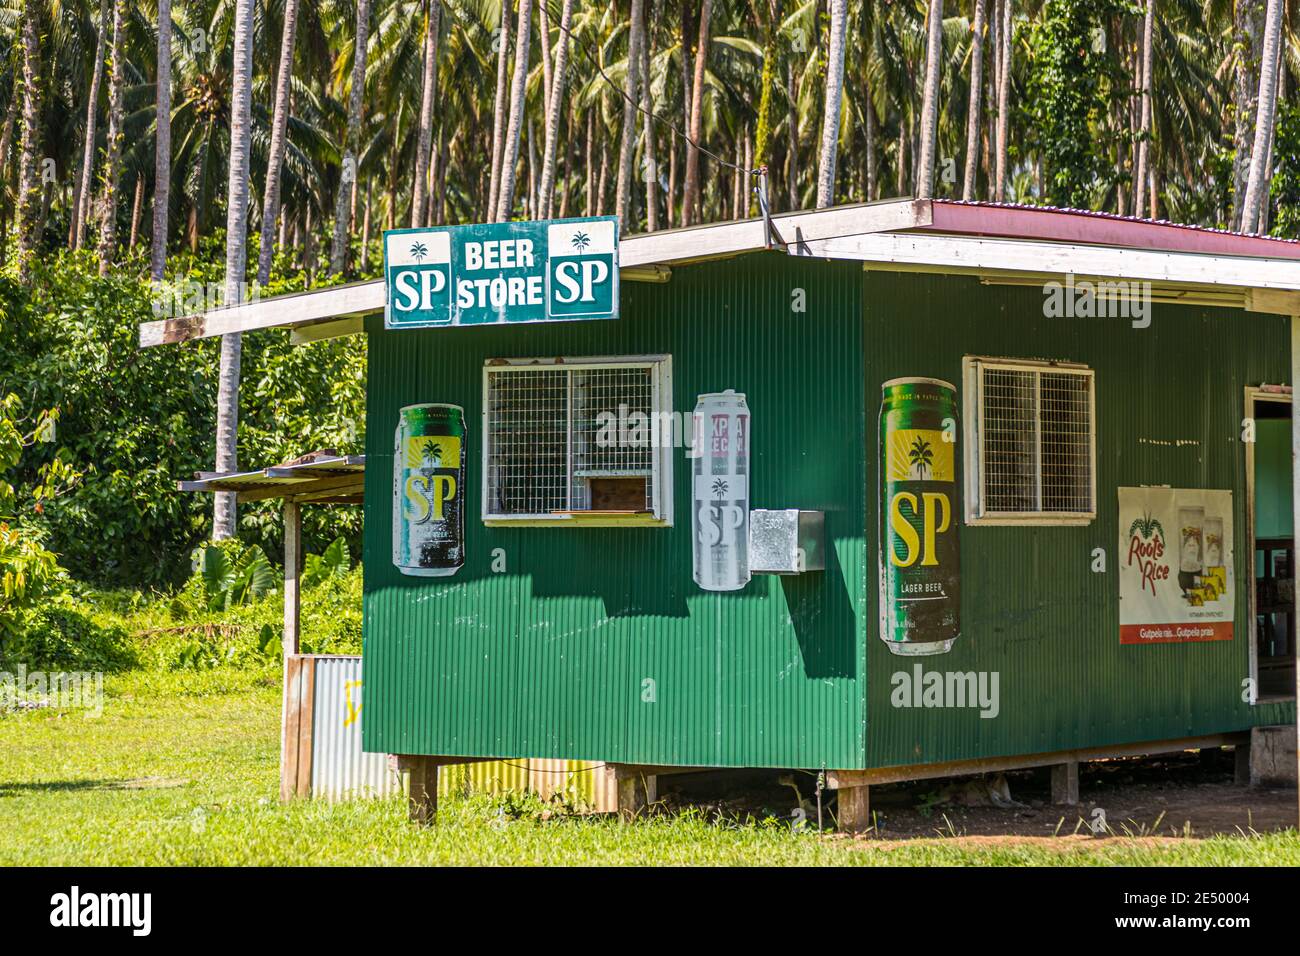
<point x="1065" y="783"/>
<point x="292" y="575"/>
<point x="422" y="787"/>
<point x="854" y="813"/>
<point x="1241" y="765"/>
<point x="636" y="790"/>
<point x="1295" y="513"/>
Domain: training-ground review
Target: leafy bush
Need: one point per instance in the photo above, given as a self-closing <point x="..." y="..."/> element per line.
<point x="61" y="637"/>
<point x="137" y="420"/>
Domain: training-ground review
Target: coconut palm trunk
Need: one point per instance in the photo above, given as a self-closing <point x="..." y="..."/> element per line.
<point x="351" y="149"/>
<point x="279" y="138"/>
<point x="514" y="128"/>
<point x="648" y="126"/>
<point x="113" y="156"/>
<point x="546" y="191"/>
<point x="1258" y="183"/>
<point x="930" y="101"/>
<point x="162" y="164"/>
<point x="973" y="104"/>
<point x="1247" y="42"/>
<point x="691" y="188"/>
<point x="241" y="97"/>
<point x="834" y="101"/>
<point x="1004" y="100"/>
<point x="631" y="93"/>
<point x="86" y="181"/>
<point x="424" y="138"/>
<point x="1145" y="123"/>
<point x="29" y="188"/>
<point x="499" y="110"/>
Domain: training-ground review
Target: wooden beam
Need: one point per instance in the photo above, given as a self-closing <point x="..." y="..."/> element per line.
<point x="296" y="489"/>
<point x="840" y="779"/>
<point x="1065" y="783"/>
<point x="292" y="576"/>
<point x="940" y="253"/>
<point x="318" y="331"/>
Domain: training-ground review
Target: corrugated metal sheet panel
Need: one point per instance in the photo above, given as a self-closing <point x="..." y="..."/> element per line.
<point x="550" y="657"/>
<point x="1169" y="412"/>
<point x="340" y="769"/>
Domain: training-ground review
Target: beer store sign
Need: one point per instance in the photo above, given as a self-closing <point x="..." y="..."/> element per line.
<point x="550" y="271"/>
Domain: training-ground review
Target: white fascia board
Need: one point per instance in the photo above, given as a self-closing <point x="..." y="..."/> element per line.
<point x="942" y="253"/>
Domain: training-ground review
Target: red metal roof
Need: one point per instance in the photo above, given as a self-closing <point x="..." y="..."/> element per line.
<point x="1050" y="224"/>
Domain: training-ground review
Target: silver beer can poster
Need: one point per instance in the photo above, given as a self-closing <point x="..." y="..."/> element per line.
<point x="429" y="490"/>
<point x="720" y="491"/>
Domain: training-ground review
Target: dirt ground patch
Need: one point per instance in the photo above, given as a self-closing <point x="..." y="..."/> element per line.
<point x="1151" y="798"/>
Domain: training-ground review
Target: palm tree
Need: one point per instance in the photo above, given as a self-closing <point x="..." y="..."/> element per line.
<point x="1003" y="87"/>
<point x="834" y="102"/>
<point x="113" y="157"/>
<point x="555" y="97"/>
<point x="162" y="143"/>
<point x="348" y="169"/>
<point x="691" y="188"/>
<point x="631" y="93"/>
<point x="518" y="85"/>
<point x="279" y="134"/>
<point x="930" y="100"/>
<point x="85" y="183"/>
<point x="973" y="103"/>
<point x="29" y="191"/>
<point x="429" y="78"/>
<point x="502" y="42"/>
<point x="241" y="98"/>
<point x="1258" y="183"/>
<point x="1144" y="131"/>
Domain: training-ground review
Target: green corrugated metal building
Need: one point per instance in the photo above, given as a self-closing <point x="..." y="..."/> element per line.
<point x="575" y="629"/>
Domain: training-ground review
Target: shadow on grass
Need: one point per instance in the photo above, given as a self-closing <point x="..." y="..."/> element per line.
<point x="62" y="786"/>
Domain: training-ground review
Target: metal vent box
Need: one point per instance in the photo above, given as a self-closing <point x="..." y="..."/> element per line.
<point x="788" y="541"/>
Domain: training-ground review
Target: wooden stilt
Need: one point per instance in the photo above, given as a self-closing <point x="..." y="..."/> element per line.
<point x="1065" y="783"/>
<point x="421" y="772"/>
<point x="854" y="815"/>
<point x="636" y="790"/>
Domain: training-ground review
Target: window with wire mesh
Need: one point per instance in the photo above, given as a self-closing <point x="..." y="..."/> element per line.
<point x="1035" y="431"/>
<point x="552" y="431"/>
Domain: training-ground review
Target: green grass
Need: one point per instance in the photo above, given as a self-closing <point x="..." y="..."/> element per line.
<point x="182" y="769"/>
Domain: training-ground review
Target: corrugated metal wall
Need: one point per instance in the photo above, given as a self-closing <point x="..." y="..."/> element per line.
<point x="340" y="769"/>
<point x="1169" y="412"/>
<point x="548" y="658"/>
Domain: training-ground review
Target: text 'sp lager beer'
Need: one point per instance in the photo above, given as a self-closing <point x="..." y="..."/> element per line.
<point x="720" y="491"/>
<point x="429" y="490"/>
<point x="920" y="577"/>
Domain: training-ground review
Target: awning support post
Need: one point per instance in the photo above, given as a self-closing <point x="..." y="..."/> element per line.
<point x="292" y="575"/>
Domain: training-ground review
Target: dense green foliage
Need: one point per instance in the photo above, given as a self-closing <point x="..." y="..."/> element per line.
<point x="1286" y="181"/>
<point x="1069" y="89"/>
<point x="134" y="421"/>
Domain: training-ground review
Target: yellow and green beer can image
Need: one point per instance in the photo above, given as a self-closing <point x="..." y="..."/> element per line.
<point x="920" y="573"/>
<point x="429" y="490"/>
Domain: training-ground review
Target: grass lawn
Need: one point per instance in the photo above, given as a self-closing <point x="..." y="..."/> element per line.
<point x="182" y="769"/>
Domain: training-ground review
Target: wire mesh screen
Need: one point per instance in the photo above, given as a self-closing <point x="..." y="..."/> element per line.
<point x="1010" y="441"/>
<point x="552" y="431"/>
<point x="1037" y="441"/>
<point x="612" y="409"/>
<point x="528" y="441"/>
<point x="1066" y="408"/>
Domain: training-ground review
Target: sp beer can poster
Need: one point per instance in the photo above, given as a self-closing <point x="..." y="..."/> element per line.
<point x="429" y="490"/>
<point x="1176" y="579"/>
<point x="720" y="491"/>
<point x="920" y="557"/>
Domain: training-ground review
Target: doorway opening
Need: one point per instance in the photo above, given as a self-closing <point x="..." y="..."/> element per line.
<point x="1271" y="548"/>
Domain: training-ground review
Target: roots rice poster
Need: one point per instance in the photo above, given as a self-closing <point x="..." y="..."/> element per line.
<point x="1175" y="567"/>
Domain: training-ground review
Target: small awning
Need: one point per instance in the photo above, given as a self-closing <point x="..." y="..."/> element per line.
<point x="321" y="477"/>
